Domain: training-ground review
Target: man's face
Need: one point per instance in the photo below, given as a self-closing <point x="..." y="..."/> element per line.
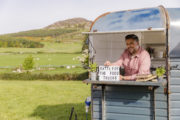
<point x="132" y="45"/>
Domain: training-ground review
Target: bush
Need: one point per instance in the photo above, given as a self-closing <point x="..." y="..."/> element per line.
<point x="41" y="76"/>
<point x="85" y="43"/>
<point x="84" y="58"/>
<point x="28" y="63"/>
<point x="6" y="41"/>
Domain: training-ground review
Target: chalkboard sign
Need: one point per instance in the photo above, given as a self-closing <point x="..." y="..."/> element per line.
<point x="109" y="73"/>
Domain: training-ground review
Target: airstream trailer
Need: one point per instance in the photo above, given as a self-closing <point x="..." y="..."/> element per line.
<point x="158" y="28"/>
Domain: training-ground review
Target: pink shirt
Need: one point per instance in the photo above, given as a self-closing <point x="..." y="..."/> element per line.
<point x="137" y="64"/>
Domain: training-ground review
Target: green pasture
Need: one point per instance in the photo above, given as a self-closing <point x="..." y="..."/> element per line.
<point x="16" y="60"/>
<point x="49" y="47"/>
<point x="48" y="60"/>
<point x="42" y="100"/>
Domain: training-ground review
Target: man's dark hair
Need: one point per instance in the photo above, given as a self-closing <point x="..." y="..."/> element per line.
<point x="132" y="36"/>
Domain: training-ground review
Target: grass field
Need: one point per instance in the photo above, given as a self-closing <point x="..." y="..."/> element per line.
<point x="14" y="60"/>
<point x="42" y="100"/>
<point x="48" y="48"/>
<point x="47" y="60"/>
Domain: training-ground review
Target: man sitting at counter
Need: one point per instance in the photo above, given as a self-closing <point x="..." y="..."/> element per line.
<point x="134" y="59"/>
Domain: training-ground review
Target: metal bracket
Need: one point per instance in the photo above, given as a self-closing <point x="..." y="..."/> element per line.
<point x="175" y="67"/>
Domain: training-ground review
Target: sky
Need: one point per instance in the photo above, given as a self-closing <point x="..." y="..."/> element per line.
<point x="22" y="15"/>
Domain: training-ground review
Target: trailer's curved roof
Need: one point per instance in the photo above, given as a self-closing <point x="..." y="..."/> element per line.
<point x="129" y="20"/>
<point x="153" y="18"/>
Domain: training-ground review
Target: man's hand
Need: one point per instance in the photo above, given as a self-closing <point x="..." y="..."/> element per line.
<point x="121" y="77"/>
<point x="124" y="77"/>
<point x="107" y="63"/>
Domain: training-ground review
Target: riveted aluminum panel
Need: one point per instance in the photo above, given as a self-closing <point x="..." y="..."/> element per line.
<point x="174" y="32"/>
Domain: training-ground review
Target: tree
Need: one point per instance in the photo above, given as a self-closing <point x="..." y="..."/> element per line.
<point x="28" y="63"/>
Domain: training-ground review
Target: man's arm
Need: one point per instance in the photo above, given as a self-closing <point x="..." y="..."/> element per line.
<point x="117" y="63"/>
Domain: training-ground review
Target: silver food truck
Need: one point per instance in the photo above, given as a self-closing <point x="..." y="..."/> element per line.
<point x="158" y="28"/>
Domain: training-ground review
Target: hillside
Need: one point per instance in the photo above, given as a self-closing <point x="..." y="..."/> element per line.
<point x="62" y="31"/>
<point x="70" y="23"/>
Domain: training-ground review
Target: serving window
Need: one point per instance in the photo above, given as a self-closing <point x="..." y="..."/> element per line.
<point x="110" y="45"/>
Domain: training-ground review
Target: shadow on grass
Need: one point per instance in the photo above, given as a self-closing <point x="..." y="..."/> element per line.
<point x="60" y="112"/>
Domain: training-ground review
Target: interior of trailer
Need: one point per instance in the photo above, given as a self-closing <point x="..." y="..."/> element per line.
<point x="110" y="45"/>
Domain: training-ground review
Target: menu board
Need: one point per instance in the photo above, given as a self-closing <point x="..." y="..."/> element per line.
<point x="109" y="73"/>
